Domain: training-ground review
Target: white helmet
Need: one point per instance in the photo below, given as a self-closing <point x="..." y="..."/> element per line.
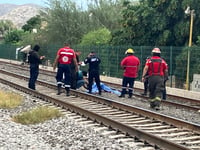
<point x="156" y="50"/>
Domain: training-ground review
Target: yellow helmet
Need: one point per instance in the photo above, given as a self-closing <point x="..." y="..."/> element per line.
<point x="129" y="51"/>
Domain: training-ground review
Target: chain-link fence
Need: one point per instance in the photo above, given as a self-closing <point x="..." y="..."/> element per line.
<point x="111" y="56"/>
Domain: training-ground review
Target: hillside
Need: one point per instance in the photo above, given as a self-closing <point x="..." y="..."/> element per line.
<point x="18" y="14"/>
<point x="5" y="8"/>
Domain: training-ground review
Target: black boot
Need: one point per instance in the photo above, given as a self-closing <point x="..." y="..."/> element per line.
<point x="100" y="92"/>
<point x="67" y="91"/>
<point x="59" y="89"/>
<point x="130" y="95"/>
<point x="155" y="103"/>
<point x="144" y="94"/>
<point x="152" y="104"/>
<point x="122" y="95"/>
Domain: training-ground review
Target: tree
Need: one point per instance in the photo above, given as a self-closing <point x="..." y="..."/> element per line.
<point x="181" y="64"/>
<point x="65" y="22"/>
<point x="159" y="22"/>
<point x="105" y="13"/>
<point x="5" y="26"/>
<point x="13" y="36"/>
<point x="98" y="37"/>
<point x="32" y="23"/>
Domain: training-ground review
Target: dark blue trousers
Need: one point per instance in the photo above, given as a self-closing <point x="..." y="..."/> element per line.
<point x="64" y="69"/>
<point x="94" y="75"/>
<point x="34" y="72"/>
<point x="125" y="82"/>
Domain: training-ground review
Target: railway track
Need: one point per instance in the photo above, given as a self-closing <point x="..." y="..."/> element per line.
<point x="173" y="100"/>
<point x="158" y="130"/>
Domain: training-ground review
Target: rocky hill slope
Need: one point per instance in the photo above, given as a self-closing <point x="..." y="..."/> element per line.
<point x="18" y="14"/>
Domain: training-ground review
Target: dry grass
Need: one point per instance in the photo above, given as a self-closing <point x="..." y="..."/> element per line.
<point x="10" y="100"/>
<point x="37" y="115"/>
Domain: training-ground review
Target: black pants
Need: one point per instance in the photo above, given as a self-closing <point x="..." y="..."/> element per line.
<point x="156" y="86"/>
<point x="146" y="85"/>
<point x="64" y="69"/>
<point x="125" y="82"/>
<point x="94" y="75"/>
<point x="164" y="95"/>
<point x="34" y="71"/>
<point x="73" y="78"/>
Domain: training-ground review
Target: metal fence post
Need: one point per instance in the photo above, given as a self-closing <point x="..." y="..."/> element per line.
<point x="171" y="51"/>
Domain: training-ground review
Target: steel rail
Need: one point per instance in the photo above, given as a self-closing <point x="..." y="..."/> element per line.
<point x="165" y="102"/>
<point x="178" y="98"/>
<point x="119" y="105"/>
<point x="101" y="119"/>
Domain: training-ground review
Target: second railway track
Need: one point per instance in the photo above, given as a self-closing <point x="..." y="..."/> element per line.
<point x="173" y="100"/>
<point x="133" y="121"/>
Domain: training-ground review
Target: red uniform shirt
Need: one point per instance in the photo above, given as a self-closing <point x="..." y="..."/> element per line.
<point x="66" y="55"/>
<point x="156" y="66"/>
<point x="131" y="66"/>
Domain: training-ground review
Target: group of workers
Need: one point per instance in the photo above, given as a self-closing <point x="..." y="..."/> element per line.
<point x="154" y="76"/>
<point x="155" y="72"/>
<point x="68" y="73"/>
<point x="67" y="62"/>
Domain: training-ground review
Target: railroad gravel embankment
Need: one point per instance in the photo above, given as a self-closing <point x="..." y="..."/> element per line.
<point x="180" y="113"/>
<point x="57" y="134"/>
<point x="64" y="133"/>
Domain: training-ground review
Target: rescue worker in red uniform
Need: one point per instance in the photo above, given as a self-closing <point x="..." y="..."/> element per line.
<point x="157" y="70"/>
<point x="63" y="60"/>
<point x="130" y="64"/>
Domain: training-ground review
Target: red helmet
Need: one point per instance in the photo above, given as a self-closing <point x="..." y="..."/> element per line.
<point x="156" y="50"/>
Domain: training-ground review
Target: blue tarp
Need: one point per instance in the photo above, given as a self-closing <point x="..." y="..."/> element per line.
<point x="104" y="88"/>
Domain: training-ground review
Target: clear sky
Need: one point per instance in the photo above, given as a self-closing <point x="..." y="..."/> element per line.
<point x="38" y="2"/>
<point x="21" y="2"/>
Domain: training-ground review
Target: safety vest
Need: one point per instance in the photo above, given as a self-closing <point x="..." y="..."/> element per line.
<point x="156" y="71"/>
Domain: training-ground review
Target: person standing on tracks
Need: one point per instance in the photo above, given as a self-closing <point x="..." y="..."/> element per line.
<point x="164" y="93"/>
<point x="65" y="56"/>
<point x="146" y="82"/>
<point x="130" y="64"/>
<point x="74" y="72"/>
<point x="93" y="71"/>
<point x="78" y="53"/>
<point x="157" y="69"/>
<point x="34" y="60"/>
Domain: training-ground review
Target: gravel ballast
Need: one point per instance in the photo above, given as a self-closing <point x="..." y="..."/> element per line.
<point x="57" y="134"/>
<point x="64" y="133"/>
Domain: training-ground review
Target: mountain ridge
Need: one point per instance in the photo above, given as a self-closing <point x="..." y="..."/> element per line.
<point x="18" y="14"/>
